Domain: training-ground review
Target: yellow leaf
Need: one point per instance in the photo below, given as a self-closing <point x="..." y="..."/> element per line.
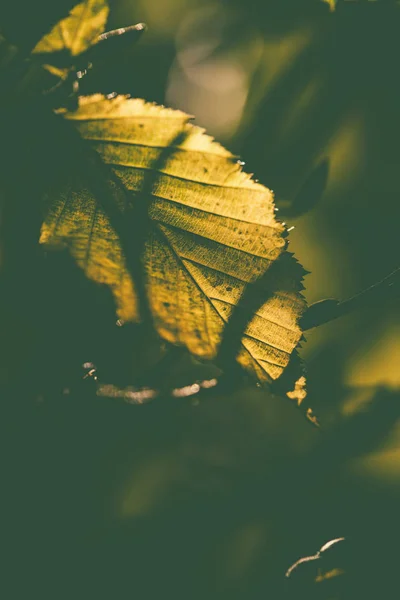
<point x="211" y="233"/>
<point x="78" y="31"/>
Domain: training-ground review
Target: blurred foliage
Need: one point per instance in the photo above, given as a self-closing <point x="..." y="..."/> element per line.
<point x="219" y="496"/>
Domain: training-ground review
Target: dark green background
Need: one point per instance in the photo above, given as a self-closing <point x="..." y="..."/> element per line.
<point x="217" y="499"/>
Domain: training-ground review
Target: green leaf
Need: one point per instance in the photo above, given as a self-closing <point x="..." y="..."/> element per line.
<point x="209" y="233"/>
<point x="77" y="32"/>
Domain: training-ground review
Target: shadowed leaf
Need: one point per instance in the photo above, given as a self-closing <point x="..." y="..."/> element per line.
<point x="210" y="230"/>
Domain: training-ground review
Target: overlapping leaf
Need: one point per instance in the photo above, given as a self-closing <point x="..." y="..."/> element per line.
<point x="211" y="232"/>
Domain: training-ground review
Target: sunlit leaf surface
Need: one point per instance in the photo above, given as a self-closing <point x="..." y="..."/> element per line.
<point x="78" y="31"/>
<point x="210" y="233"/>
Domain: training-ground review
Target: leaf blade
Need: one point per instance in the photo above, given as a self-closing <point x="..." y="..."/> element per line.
<point x="212" y="231"/>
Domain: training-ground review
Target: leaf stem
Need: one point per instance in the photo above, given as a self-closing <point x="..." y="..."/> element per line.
<point x="327" y="310"/>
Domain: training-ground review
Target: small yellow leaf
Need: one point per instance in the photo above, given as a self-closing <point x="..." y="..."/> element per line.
<point x="211" y="232"/>
<point x="329" y="575"/>
<point x="78" y="31"/>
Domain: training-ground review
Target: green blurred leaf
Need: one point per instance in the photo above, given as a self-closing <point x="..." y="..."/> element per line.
<point x="310" y="192"/>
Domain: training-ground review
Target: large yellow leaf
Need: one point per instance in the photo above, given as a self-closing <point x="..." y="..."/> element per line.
<point x="78" y="31"/>
<point x="211" y="233"/>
